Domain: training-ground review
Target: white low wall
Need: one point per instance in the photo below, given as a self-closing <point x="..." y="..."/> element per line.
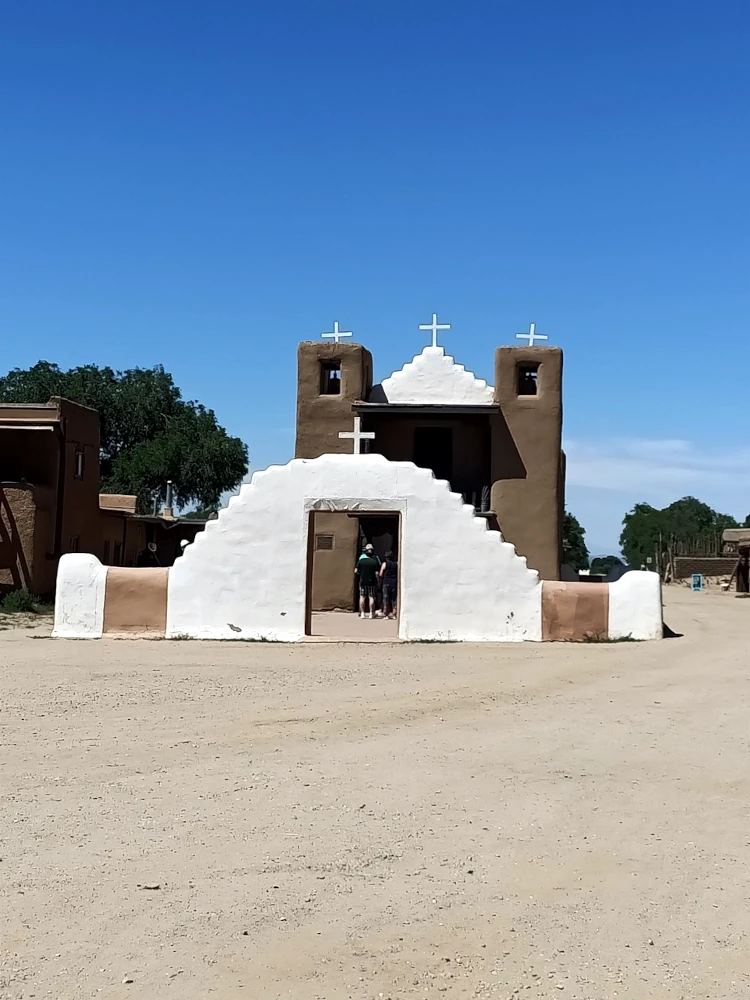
<point x="79" y="597"/>
<point x="635" y="606"/>
<point x="245" y="576"/>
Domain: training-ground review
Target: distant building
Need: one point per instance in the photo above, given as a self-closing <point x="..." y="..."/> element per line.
<point x="50" y="502"/>
<point x="499" y="447"/>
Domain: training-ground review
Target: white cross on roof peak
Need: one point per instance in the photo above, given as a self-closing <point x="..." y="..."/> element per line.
<point x="434" y="326"/>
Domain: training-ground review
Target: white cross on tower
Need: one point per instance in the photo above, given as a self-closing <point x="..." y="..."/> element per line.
<point x="337" y="334"/>
<point x="358" y="435"/>
<point x="434" y="326"/>
<point x="531" y="336"/>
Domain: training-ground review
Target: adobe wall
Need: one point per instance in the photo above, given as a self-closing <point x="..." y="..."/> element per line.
<point x="135" y="601"/>
<point x="526" y="457"/>
<point x="80" y="514"/>
<point x="321" y="417"/>
<point x="45" y="567"/>
<point x="333" y="570"/>
<point x="685" y="566"/>
<point x="17" y="526"/>
<point x="245" y="576"/>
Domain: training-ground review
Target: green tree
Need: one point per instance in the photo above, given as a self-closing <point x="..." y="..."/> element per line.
<point x="601" y="565"/>
<point x="200" y="513"/>
<point x="148" y="433"/>
<point x="645" y="527"/>
<point x="575" y="553"/>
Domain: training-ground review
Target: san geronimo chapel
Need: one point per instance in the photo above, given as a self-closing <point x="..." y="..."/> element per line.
<point x="499" y="447"/>
<point x="463" y="481"/>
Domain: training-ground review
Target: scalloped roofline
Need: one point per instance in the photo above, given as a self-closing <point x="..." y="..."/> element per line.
<point x="433" y="376"/>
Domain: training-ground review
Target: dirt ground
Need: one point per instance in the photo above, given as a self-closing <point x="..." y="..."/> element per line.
<point x="334" y="821"/>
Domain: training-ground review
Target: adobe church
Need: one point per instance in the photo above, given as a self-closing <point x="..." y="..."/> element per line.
<point x="500" y="448"/>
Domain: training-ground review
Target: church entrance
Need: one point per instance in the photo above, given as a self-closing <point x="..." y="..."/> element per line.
<point x="336" y="540"/>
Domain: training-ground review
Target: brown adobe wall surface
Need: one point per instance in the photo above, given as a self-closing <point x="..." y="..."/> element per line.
<point x="527" y="479"/>
<point x="574" y="612"/>
<point x="319" y="417"/>
<point x="333" y="570"/>
<point x="685" y="566"/>
<point x="135" y="600"/>
<point x="17" y="525"/>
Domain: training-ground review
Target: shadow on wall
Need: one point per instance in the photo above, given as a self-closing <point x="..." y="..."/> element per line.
<point x="12" y="555"/>
<point x="504" y="446"/>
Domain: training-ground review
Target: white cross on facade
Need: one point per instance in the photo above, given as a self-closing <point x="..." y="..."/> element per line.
<point x="531" y="336"/>
<point x="358" y="435"/>
<point x="337" y="334"/>
<point x="434" y="326"/>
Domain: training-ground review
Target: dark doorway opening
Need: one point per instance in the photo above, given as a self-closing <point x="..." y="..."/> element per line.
<point x="433" y="449"/>
<point x="335" y="542"/>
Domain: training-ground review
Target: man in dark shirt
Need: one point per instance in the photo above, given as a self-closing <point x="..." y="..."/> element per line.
<point x="389" y="579"/>
<point x="367" y="571"/>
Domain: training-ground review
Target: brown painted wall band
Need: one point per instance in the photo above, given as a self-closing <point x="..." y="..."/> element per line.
<point x="135" y="601"/>
<point x="574" y="612"/>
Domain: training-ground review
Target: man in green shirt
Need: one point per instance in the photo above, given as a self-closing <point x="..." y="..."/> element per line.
<point x="367" y="571"/>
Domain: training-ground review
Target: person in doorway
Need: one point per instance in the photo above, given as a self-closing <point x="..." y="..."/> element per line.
<point x="389" y="582"/>
<point x="367" y="569"/>
<point x="147" y="558"/>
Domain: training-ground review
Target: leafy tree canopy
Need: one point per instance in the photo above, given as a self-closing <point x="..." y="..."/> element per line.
<point x="601" y="565"/>
<point x="200" y="513"/>
<point x="684" y="520"/>
<point x="575" y="553"/>
<point x="149" y="434"/>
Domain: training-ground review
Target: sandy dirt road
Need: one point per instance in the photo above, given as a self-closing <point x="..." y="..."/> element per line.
<point x="333" y="821"/>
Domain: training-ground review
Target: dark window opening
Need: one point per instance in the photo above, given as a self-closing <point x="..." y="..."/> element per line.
<point x="117" y="557"/>
<point x="330" y="378"/>
<point x="324" y="542"/>
<point x="79" y="463"/>
<point x="433" y="449"/>
<point x="528" y="380"/>
<point x="106" y="554"/>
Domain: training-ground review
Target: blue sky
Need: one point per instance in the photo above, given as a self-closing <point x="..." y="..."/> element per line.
<point x="204" y="185"/>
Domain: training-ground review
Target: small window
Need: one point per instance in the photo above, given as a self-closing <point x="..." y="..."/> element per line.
<point x="80" y="463"/>
<point x="330" y="378"/>
<point x="528" y="380"/>
<point x="324" y="543"/>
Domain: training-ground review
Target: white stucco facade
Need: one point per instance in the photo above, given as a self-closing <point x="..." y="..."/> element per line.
<point x="249" y="568"/>
<point x="433" y="377"/>
<point x="635" y="607"/>
<point x="79" y="597"/>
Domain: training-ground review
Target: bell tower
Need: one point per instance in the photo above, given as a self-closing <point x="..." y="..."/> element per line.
<point x="330" y="378"/>
<point x="528" y="475"/>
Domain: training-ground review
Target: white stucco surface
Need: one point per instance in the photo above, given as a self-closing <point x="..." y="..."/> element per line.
<point x="434" y="377"/>
<point x="635" y="606"/>
<point x="79" y="597"/>
<point x="248" y="568"/>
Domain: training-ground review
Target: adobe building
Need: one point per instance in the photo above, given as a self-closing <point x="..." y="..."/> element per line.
<point x="499" y="447"/>
<point x="451" y="463"/>
<point x="50" y="503"/>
